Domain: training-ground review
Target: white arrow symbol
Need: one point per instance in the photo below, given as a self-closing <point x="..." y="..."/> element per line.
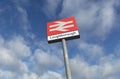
<point x="61" y="26"/>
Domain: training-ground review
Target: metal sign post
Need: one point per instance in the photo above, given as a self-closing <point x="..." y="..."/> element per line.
<point x="65" y="54"/>
<point x="64" y="29"/>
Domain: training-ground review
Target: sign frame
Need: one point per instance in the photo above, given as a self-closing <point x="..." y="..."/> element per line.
<point x="68" y="23"/>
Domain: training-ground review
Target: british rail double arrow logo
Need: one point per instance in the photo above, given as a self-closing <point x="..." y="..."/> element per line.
<point x="61" y="26"/>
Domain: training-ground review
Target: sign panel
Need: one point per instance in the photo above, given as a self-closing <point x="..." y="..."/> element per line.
<point x="65" y="28"/>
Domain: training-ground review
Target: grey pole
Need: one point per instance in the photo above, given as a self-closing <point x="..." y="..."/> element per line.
<point x="67" y="66"/>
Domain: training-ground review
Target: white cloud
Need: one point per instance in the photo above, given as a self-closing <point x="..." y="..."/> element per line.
<point x="109" y="66"/>
<point x="50" y="7"/>
<point x="47" y="59"/>
<point x="24" y="21"/>
<point x="52" y="49"/>
<point x="95" y="18"/>
<point x="44" y="60"/>
<point x="107" y="18"/>
<point x="107" y="70"/>
<point x="117" y="49"/>
<point x="30" y="76"/>
<point x="81" y="69"/>
<point x="12" y="52"/>
<point x="23" y="18"/>
<point x="11" y="75"/>
<point x="19" y="47"/>
<point x="17" y="19"/>
<point x="7" y="75"/>
<point x="51" y="75"/>
<point x="93" y="51"/>
<point x="21" y="2"/>
<point x="1" y="41"/>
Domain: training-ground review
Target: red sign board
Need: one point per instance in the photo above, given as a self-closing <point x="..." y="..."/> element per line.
<point x="64" y="28"/>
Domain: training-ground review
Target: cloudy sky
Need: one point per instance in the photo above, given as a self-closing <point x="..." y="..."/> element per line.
<point x="26" y="54"/>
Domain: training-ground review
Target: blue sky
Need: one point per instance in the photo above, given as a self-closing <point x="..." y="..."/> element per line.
<point x="25" y="53"/>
